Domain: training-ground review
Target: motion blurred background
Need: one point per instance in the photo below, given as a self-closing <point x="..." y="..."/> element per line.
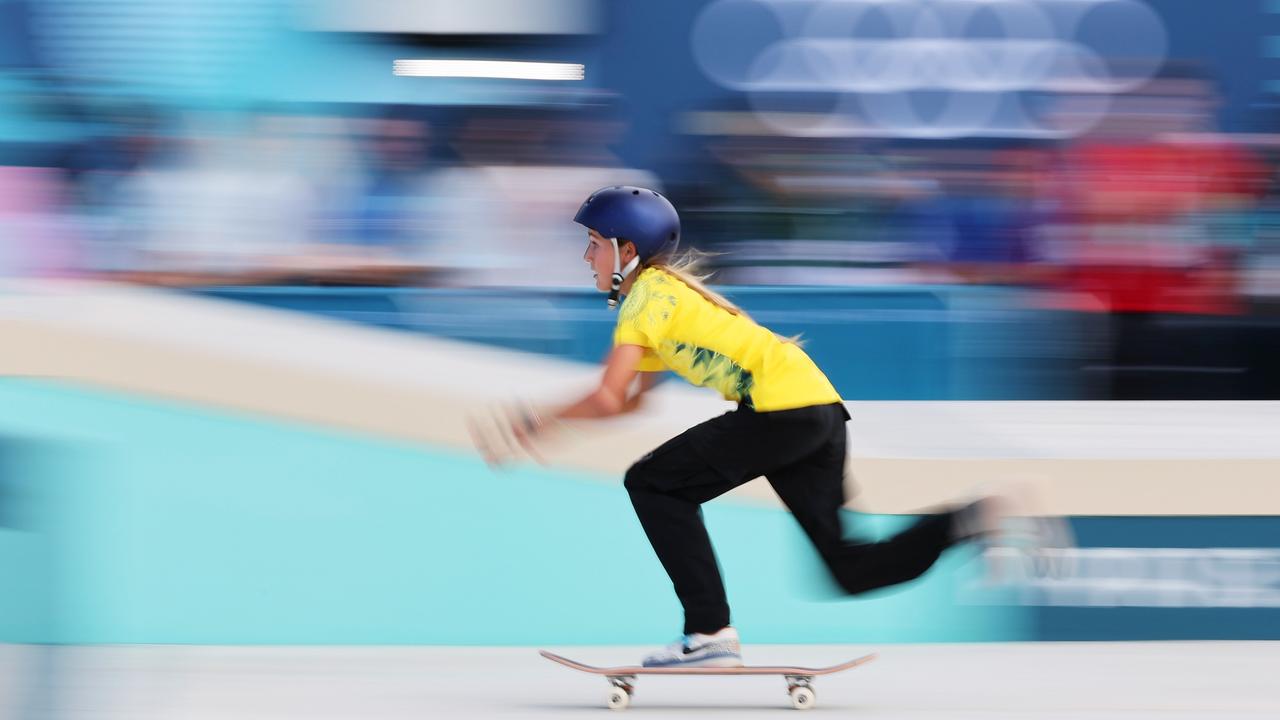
<point x="1102" y="172"/>
<point x="251" y="283"/>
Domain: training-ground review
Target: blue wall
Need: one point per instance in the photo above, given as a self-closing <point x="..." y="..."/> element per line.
<point x="893" y="343"/>
<point x="137" y="521"/>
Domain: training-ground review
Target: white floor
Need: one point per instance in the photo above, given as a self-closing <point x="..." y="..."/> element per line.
<point x="1059" y="681"/>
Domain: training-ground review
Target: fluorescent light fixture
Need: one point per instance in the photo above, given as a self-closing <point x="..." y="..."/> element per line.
<point x="488" y="69"/>
<point x="449" y="17"/>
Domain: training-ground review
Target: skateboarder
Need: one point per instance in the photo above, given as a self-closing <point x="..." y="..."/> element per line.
<point x="789" y="426"/>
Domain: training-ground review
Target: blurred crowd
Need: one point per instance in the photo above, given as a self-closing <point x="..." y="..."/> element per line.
<point x="381" y="195"/>
<point x="1150" y="211"/>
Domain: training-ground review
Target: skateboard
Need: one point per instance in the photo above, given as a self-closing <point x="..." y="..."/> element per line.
<point x="622" y="680"/>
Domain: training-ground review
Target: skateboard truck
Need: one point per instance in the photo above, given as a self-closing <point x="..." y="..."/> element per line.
<point x="624" y="686"/>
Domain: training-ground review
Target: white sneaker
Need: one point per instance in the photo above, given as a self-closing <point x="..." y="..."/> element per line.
<point x="1011" y="524"/>
<point x="698" y="650"/>
<point x="1046" y="543"/>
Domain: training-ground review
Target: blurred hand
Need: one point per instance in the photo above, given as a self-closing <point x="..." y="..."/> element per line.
<point x="503" y="435"/>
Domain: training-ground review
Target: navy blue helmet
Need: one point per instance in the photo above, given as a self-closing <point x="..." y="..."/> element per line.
<point x="640" y="215"/>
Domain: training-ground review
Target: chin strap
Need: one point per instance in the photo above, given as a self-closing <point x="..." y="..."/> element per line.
<point x="619" y="274"/>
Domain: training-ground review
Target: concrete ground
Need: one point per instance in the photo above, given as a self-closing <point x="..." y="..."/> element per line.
<point x="1036" y="681"/>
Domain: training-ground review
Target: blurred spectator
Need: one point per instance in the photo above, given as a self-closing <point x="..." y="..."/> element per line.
<point x="1141" y="243"/>
<point x="506" y="213"/>
<point x="37" y="234"/>
<point x="128" y="138"/>
<point x="983" y="218"/>
<point x="224" y="209"/>
<point x="376" y="228"/>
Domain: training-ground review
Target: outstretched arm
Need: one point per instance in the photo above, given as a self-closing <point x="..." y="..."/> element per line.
<point x="611" y="397"/>
<point x="648" y="380"/>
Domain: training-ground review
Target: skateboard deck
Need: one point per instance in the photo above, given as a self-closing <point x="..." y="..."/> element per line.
<point x="622" y="679"/>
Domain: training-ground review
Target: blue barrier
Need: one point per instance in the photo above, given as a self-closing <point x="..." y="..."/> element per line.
<point x="1166" y="578"/>
<point x="898" y="343"/>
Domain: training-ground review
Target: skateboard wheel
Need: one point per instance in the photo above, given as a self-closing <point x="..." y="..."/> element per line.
<point x="802" y="698"/>
<point x="619" y="699"/>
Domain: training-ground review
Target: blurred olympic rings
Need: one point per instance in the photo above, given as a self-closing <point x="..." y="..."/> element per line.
<point x="983" y="58"/>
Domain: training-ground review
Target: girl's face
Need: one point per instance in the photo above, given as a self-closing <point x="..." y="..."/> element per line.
<point x="599" y="256"/>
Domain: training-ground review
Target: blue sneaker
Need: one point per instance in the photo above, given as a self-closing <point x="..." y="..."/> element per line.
<point x="698" y="650"/>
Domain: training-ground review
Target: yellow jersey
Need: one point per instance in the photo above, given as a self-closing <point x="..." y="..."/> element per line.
<point x="709" y="346"/>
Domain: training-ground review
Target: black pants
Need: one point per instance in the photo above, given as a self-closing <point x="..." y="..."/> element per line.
<point x="802" y="454"/>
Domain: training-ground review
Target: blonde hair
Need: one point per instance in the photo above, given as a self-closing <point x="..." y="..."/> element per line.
<point x="688" y="268"/>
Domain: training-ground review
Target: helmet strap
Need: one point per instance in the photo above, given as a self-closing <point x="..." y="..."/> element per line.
<point x="619" y="274"/>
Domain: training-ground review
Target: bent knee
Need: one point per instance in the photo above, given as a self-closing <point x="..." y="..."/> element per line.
<point x="857" y="583"/>
<point x="637" y="478"/>
<point x="849" y="582"/>
<point x="850" y="576"/>
<point x="852" y="585"/>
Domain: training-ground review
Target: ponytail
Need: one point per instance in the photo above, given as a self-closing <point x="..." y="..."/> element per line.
<point x="687" y="267"/>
